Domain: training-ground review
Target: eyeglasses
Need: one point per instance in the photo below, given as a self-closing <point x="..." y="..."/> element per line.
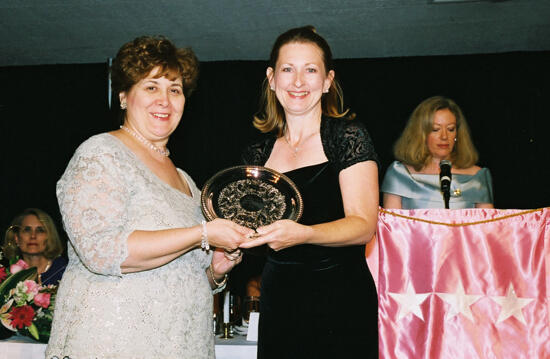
<point x="28" y="230"/>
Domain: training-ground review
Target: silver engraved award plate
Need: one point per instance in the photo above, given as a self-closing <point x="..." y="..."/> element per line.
<point x="252" y="196"/>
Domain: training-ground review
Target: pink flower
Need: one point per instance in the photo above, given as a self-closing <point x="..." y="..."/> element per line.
<point x="32" y="287"/>
<point x="3" y="274"/>
<point x="18" y="266"/>
<point x="42" y="300"/>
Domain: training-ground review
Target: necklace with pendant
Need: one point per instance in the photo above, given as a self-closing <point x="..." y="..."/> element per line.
<point x="295" y="149"/>
<point x="140" y="138"/>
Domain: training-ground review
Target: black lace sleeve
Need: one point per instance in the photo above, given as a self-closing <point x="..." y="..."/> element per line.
<point x="258" y="152"/>
<point x="347" y="142"/>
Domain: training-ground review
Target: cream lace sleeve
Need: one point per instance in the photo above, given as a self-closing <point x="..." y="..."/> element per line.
<point x="93" y="197"/>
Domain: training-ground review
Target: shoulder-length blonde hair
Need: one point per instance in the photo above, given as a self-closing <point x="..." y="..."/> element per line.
<point x="271" y="116"/>
<point x="54" y="248"/>
<point x="411" y="147"/>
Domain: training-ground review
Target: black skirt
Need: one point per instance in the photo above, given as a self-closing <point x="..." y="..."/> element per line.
<point x="318" y="312"/>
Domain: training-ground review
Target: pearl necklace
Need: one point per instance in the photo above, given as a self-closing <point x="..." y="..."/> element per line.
<point x="140" y="138"/>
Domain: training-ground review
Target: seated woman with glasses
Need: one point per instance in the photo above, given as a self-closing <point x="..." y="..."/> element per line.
<point x="32" y="237"/>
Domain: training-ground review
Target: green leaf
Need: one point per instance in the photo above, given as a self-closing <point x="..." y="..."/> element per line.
<point x="34" y="332"/>
<point x="12" y="280"/>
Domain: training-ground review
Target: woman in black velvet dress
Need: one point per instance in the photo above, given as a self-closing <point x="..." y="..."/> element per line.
<point x="318" y="298"/>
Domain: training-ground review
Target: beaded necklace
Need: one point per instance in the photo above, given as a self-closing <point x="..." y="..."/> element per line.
<point x="140" y="138"/>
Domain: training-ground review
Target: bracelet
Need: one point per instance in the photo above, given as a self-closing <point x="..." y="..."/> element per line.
<point x="218" y="284"/>
<point x="204" y="237"/>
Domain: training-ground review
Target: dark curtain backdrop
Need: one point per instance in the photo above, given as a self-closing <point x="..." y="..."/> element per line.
<point x="47" y="111"/>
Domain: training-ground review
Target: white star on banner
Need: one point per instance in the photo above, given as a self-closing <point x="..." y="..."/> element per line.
<point x="511" y="305"/>
<point x="409" y="302"/>
<point x="459" y="302"/>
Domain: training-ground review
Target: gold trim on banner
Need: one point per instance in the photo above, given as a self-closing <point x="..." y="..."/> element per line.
<point x="462" y="224"/>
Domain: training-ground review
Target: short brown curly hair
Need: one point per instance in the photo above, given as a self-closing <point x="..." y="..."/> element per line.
<point x="137" y="58"/>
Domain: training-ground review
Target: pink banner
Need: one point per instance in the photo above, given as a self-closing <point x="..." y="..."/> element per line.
<point x="463" y="284"/>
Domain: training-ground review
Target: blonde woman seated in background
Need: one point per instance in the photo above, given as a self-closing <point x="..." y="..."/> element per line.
<point x="32" y="237"/>
<point x="436" y="131"/>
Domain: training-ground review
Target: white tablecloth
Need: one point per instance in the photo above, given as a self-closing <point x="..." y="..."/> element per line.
<point x="19" y="347"/>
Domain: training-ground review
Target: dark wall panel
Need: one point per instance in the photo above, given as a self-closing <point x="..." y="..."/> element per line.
<point x="47" y="111"/>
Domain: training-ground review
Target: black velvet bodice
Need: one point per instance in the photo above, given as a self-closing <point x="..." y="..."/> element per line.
<point x="345" y="143"/>
<point x="322" y="198"/>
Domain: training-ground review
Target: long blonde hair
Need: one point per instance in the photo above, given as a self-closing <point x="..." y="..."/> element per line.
<point x="411" y="147"/>
<point x="271" y="117"/>
<point x="54" y="247"/>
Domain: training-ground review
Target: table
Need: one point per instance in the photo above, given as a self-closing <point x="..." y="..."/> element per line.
<point x="235" y="348"/>
<point x="20" y="347"/>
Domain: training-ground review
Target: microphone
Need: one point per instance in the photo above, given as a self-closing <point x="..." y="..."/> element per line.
<point x="445" y="177"/>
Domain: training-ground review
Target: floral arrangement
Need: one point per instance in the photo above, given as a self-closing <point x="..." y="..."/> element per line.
<point x="27" y="307"/>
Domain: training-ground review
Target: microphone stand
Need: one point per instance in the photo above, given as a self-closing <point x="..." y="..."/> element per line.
<point x="445" y="177"/>
<point x="446" y="197"/>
